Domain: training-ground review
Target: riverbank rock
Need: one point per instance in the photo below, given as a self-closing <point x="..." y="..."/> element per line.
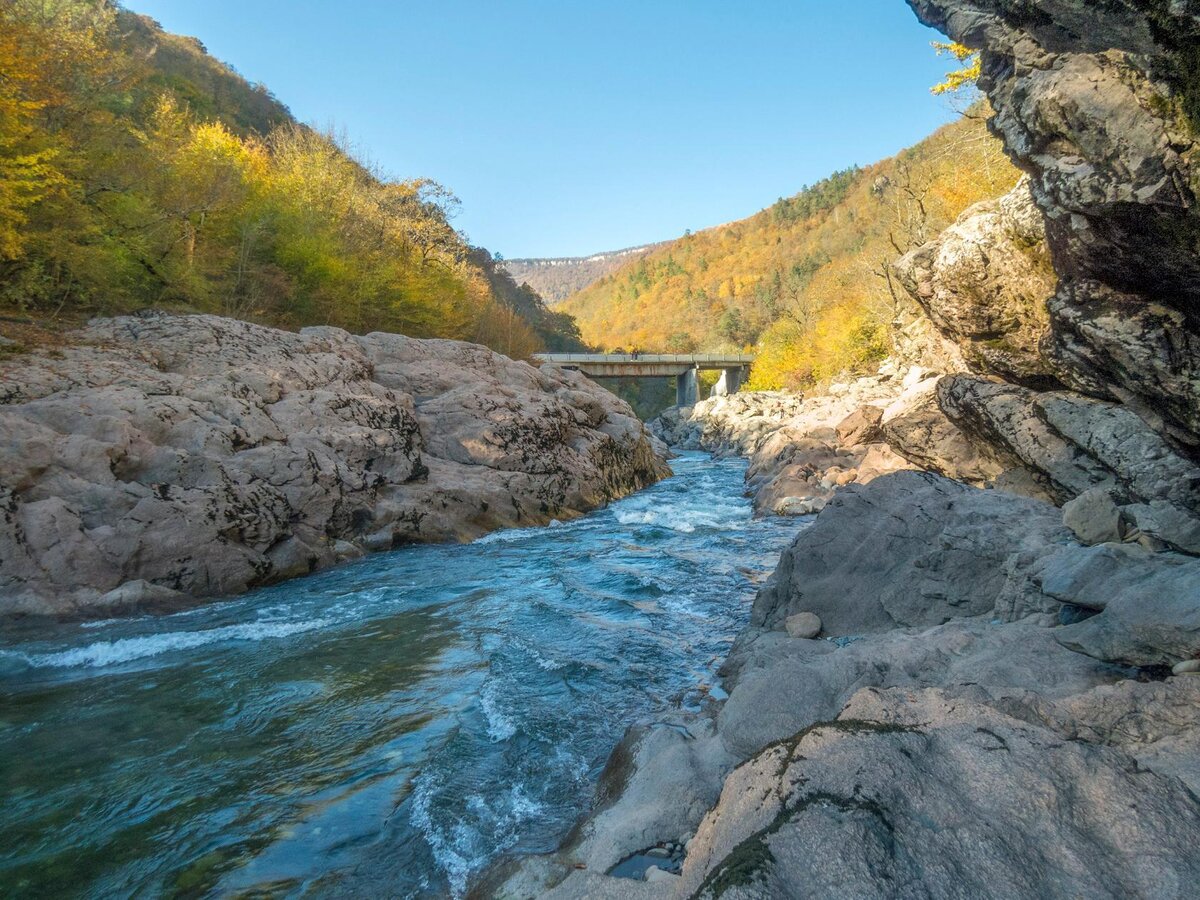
<point x="860" y="427"/>
<point x="913" y="549"/>
<point x="802" y="450"/>
<point x="1070" y="445"/>
<point x="943" y="632"/>
<point x="803" y="625"/>
<point x="916" y="427"/>
<point x="851" y="802"/>
<point x="731" y="425"/>
<point x="200" y="456"/>
<point x="1093" y="517"/>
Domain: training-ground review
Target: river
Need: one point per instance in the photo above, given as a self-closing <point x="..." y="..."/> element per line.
<point x="385" y="728"/>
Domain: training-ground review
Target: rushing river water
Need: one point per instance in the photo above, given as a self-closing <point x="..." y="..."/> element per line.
<point x="386" y="728"/>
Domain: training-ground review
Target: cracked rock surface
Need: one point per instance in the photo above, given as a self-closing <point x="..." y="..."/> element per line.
<point x="1100" y="104"/>
<point x="161" y="459"/>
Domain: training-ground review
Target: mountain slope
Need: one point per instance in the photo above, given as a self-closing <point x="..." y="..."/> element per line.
<point x="557" y="278"/>
<point x="136" y="171"/>
<point x="806" y="280"/>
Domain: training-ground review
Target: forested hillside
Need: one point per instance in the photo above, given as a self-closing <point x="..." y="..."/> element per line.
<point x="806" y="281"/>
<point x="136" y="170"/>
<point x="557" y="278"/>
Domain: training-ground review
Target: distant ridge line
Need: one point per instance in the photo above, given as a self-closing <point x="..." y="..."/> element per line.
<point x="556" y="278"/>
<point x="602" y="256"/>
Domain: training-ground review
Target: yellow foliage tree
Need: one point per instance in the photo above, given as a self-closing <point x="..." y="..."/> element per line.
<point x="967" y="75"/>
<point x="135" y="170"/>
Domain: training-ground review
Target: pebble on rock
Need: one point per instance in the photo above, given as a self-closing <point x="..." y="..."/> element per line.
<point x="1187" y="667"/>
<point x="804" y="625"/>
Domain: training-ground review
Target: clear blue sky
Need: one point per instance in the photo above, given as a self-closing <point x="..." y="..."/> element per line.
<point x="568" y="127"/>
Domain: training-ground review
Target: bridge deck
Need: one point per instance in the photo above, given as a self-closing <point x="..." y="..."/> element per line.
<point x="682" y="367"/>
<point x="692" y="360"/>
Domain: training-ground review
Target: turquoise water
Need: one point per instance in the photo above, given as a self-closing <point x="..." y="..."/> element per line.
<point x="386" y="728"/>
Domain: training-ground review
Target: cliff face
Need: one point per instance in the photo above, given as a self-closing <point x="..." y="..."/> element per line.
<point x="557" y="278"/>
<point x="160" y="459"/>
<point x="1100" y="104"/>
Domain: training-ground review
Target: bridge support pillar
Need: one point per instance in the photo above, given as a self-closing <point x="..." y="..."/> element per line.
<point x="687" y="388"/>
<point x="729" y="382"/>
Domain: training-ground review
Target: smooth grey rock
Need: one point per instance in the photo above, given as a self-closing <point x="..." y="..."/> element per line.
<point x="993" y="660"/>
<point x="1167" y="522"/>
<point x="913" y="549"/>
<point x="1155" y="722"/>
<point x="803" y="625"/>
<point x="1090" y="576"/>
<point x="1093" y="517"/>
<point x="1187" y="667"/>
<point x="924" y="793"/>
<point x="1151" y="615"/>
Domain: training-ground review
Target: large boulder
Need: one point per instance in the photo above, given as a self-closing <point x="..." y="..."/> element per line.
<point x="916" y="427"/>
<point x="931" y="794"/>
<point x="996" y="660"/>
<point x="195" y="456"/>
<point x="1094" y="517"/>
<point x="1099" y="103"/>
<point x="914" y="549"/>
<point x="1150" y="602"/>
<point x="1072" y="445"/>
<point x="984" y="283"/>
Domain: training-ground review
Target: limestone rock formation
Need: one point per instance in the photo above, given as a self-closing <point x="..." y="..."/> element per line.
<point x="1099" y="104"/>
<point x="163" y="458"/>
<point x="802" y="450"/>
<point x="984" y="283"/>
<point x="861" y="426"/>
<point x="727" y="425"/>
<point x="916" y="427"/>
<point x="945" y="673"/>
<point x="1071" y="444"/>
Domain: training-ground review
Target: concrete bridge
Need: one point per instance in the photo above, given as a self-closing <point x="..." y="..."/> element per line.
<point x="683" y="367"/>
